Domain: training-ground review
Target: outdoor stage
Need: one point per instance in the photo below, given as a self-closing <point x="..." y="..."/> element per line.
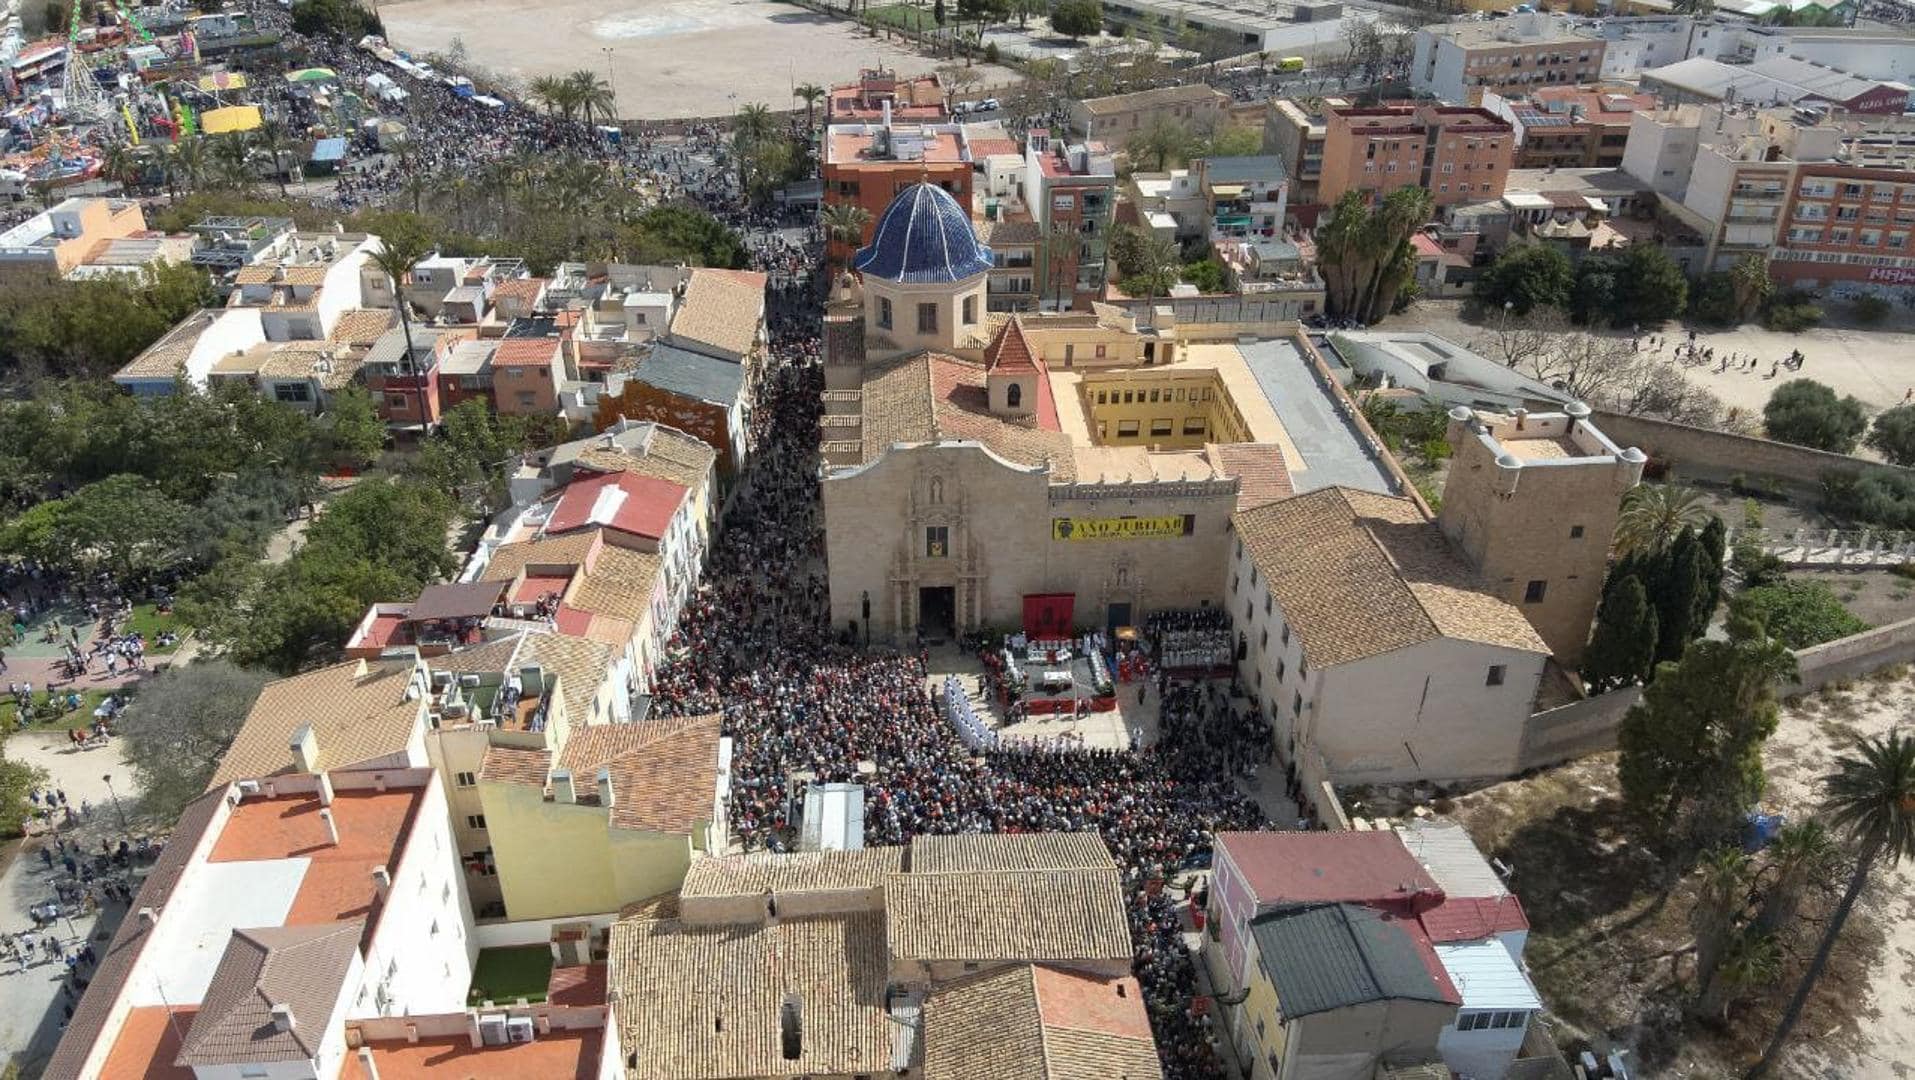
<point x="1044" y="697"/>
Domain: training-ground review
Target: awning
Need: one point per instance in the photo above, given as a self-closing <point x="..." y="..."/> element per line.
<point x="230" y="118"/>
<point x="472" y="600"/>
<point x="222" y="80"/>
<point x="312" y="74"/>
<point x="1227" y="191"/>
<point x="329" y="150"/>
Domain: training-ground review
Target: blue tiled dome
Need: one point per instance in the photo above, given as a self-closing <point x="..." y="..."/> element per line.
<point x="924" y="237"/>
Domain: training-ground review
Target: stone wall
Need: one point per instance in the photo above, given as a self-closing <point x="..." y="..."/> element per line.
<point x="1718" y="455"/>
<point x="1854" y="656"/>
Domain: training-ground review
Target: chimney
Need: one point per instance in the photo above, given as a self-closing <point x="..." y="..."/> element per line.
<point x="605" y="788"/>
<point x="305" y="747"/>
<point x="563" y="789"/>
<point x="332" y="827"/>
<point x="887" y="114"/>
<point x="148" y="916"/>
<point x="282" y="1018"/>
<point x="366" y="1063"/>
<point x="325" y="789"/>
<point x="381" y="881"/>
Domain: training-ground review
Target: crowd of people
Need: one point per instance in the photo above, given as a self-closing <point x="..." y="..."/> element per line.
<point x="800" y="696"/>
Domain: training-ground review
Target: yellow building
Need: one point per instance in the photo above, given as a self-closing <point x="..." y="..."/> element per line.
<point x="612" y="817"/>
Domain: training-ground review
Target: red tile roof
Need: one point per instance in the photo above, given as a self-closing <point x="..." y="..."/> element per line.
<point x="629" y="502"/>
<point x="1304" y="867"/>
<point x="1473" y="918"/>
<point x="1010" y="351"/>
<point x="525" y="351"/>
<point x="559" y="1055"/>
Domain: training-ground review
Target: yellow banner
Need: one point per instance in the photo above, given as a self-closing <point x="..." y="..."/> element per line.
<point x="1123" y="528"/>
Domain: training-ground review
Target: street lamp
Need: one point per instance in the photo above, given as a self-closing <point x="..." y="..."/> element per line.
<point x="611" y="77"/>
<point x="121" y="810"/>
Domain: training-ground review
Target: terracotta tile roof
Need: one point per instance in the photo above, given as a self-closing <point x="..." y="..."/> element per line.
<point x="581" y="665"/>
<point x="930" y="396"/>
<point x="357" y="710"/>
<point x="572" y="550"/>
<point x="1360" y="574"/>
<point x="95" y="1012"/>
<point x="1010" y="851"/>
<point x="304" y="967"/>
<point x="1262" y="474"/>
<point x="721" y="308"/>
<point x="662" y="466"/>
<point x="490" y="658"/>
<point x="362" y="326"/>
<point x="256" y="274"/>
<point x="760" y="872"/>
<point x="525" y="352"/>
<point x="167" y="357"/>
<point x="1057" y="915"/>
<point x="305" y="275"/>
<point x="321" y="360"/>
<point x="526" y="290"/>
<point x="1195" y="93"/>
<point x="1009" y="351"/>
<point x="664" y="772"/>
<point x="619" y="584"/>
<point x="515" y="765"/>
<point x="701" y="1003"/>
<point x="1014" y="232"/>
<point x="1039" y="1022"/>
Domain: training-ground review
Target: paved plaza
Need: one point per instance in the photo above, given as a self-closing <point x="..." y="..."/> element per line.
<point x="31" y="999"/>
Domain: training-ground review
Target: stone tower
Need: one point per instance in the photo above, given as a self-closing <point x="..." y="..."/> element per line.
<point x="1531" y="502"/>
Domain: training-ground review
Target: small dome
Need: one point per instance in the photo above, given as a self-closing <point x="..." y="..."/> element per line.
<point x="924" y="238"/>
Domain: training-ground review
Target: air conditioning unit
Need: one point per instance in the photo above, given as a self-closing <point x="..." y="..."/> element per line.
<point x="248" y="788"/>
<point x="492" y="1030"/>
<point x="519" y="1030"/>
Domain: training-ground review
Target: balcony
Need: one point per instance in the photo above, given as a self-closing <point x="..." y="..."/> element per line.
<point x="1758" y="193"/>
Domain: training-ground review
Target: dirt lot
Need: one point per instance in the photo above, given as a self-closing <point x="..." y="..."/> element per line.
<point x="670" y="58"/>
<point x="1611" y="950"/>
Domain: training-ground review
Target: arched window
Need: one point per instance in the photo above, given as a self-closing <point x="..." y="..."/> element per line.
<point x="1014" y="397"/>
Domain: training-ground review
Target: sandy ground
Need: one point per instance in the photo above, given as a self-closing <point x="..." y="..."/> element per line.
<point x="1803" y="750"/>
<point x="1876" y="365"/>
<point x="670" y="58"/>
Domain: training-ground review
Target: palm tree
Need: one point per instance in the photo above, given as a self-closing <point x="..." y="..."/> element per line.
<point x="1803" y="853"/>
<point x="272" y="142"/>
<point x="120" y="162"/>
<point x="752" y="125"/>
<point x="233" y="156"/>
<point x="1059" y="252"/>
<point x="1749" y="278"/>
<point x="844" y="223"/>
<point x="1720" y="898"/>
<point x="1750" y="959"/>
<point x="810" y="94"/>
<point x="189" y="160"/>
<point x="1653" y="515"/>
<point x="554" y="92"/>
<point x="1161" y="260"/>
<point x="1870" y="798"/>
<point x="400" y="250"/>
<point x="593" y="97"/>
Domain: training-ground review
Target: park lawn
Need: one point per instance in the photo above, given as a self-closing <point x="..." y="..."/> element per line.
<point x="506" y="975"/>
<point x="148" y="621"/>
<point x="89" y="700"/>
<point x="904" y="17"/>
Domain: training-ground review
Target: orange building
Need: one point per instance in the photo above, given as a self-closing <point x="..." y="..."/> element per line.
<point x="1459" y="154"/>
<point x="525" y="377"/>
<point x="1848" y="226"/>
<point x="919" y="97"/>
<point x="867" y="164"/>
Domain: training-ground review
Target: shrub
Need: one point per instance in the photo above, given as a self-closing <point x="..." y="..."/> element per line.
<point x="1801" y="613"/>
<point x="1893" y="435"/>
<point x="1807" y="413"/>
<point x="990" y="53"/>
<point x="1878" y="496"/>
<point x="1869" y="309"/>
<point x="1755" y="566"/>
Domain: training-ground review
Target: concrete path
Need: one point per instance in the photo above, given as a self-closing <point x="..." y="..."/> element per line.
<point x="31" y="1001"/>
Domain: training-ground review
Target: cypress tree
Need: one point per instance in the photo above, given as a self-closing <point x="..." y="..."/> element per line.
<point x="1677" y="586"/>
<point x="1624" y="647"/>
<point x="1715" y="543"/>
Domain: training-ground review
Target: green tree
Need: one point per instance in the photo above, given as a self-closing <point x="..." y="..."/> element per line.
<point x="1714" y="540"/>
<point x="1077" y="18"/>
<point x="844" y="223"/>
<point x="1163" y="142"/>
<point x="1870" y="799"/>
<point x="1623" y="649"/>
<point x="1752" y="960"/>
<point x="1526" y="276"/>
<point x="810" y="94"/>
<point x="178" y="727"/>
<point x="1680" y="583"/>
<point x="354" y="431"/>
<point x="1893" y="435"/>
<point x="18" y="781"/>
<point x="1750" y="284"/>
<point x="1365" y="252"/>
<point x="1807" y="413"/>
<point x="1234" y="142"/>
<point x="342" y="19"/>
<point x="1802" y="613"/>
<point x="1592" y="298"/>
<point x="1691" y="748"/>
<point x="391" y="522"/>
<point x="591" y="96"/>
<point x="1802" y="855"/>
<point x="1650" y="287"/>
<point x="1206" y="274"/>
<point x="1716" y="919"/>
<point x="1653" y="515"/>
<point x="398" y="253"/>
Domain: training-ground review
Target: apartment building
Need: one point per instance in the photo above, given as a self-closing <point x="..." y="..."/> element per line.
<point x="81" y="236"/>
<point x="1071" y="188"/>
<point x="1580" y="127"/>
<point x="913" y="97"/>
<point x="867" y="163"/>
<point x="1458" y="154"/>
<point x="1456" y="62"/>
<point x="1296" y="133"/>
<point x="1847" y="227"/>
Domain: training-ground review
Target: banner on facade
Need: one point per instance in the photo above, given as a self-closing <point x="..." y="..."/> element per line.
<point x="1119" y="528"/>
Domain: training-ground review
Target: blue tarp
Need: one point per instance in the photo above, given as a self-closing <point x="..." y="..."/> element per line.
<point x="329" y="150"/>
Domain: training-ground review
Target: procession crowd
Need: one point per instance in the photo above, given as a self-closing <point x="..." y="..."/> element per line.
<point x="799" y="695"/>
